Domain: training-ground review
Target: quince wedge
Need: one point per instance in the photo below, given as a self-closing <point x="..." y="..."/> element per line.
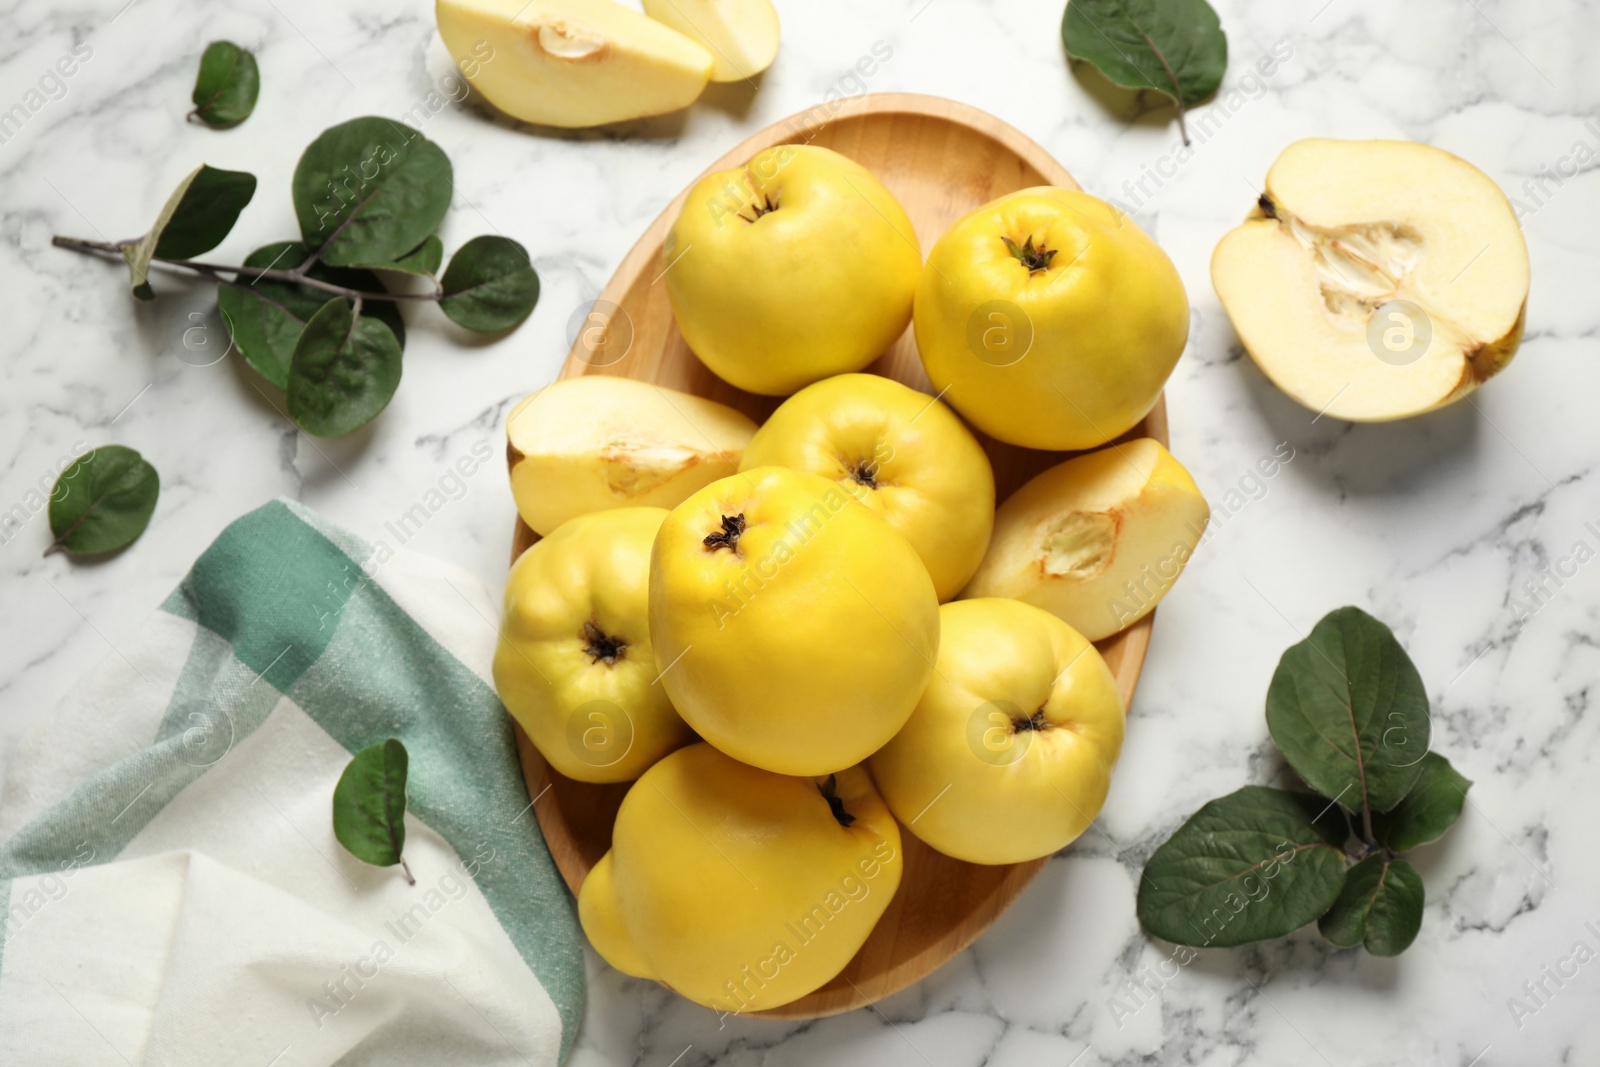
<point x="1096" y="540"/>
<point x="741" y="35"/>
<point x="596" y="442"/>
<point x="573" y="63"/>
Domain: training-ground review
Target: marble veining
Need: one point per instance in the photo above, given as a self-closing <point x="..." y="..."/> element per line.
<point x="1461" y="529"/>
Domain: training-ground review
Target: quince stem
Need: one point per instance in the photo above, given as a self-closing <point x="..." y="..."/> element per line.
<point x="728" y="536"/>
<point x="1035" y="259"/>
<point x="829" y="791"/>
<point x="764" y="206"/>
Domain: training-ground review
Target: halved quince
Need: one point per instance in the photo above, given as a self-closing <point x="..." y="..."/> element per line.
<point x="1376" y="279"/>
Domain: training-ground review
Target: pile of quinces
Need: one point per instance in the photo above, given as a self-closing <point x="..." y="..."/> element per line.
<point x="808" y="638"/>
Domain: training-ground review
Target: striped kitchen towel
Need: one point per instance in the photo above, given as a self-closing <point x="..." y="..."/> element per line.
<point x="171" y="887"/>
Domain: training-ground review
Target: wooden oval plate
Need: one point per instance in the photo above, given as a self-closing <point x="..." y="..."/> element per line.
<point x="942" y="159"/>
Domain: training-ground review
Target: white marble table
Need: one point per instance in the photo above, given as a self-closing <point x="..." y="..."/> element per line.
<point x="1435" y="524"/>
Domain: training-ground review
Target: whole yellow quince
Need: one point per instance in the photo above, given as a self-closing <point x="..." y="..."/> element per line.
<point x="741" y="889"/>
<point x="794" y="628"/>
<point x="1008" y="756"/>
<point x="1049" y="319"/>
<point x="794" y="267"/>
<point x="575" y="665"/>
<point x="900" y="452"/>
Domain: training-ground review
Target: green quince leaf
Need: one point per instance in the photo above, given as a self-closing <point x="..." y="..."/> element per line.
<point x="195" y="219"/>
<point x="1431" y="808"/>
<point x="1255" y="864"/>
<point x="264" y="317"/>
<point x="226" y="87"/>
<point x="369" y="805"/>
<point x="1175" y="47"/>
<point x="423" y="259"/>
<point x="103" y="501"/>
<point x="369" y="191"/>
<point x="344" y="371"/>
<point x="1348" y="709"/>
<point x="490" y="286"/>
<point x="1380" y="906"/>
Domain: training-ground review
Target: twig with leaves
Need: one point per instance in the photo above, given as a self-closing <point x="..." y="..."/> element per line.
<point x="1349" y="712"/>
<point x="314" y="317"/>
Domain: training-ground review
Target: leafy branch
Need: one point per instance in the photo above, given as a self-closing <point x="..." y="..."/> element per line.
<point x="368" y="194"/>
<point x="1348" y="710"/>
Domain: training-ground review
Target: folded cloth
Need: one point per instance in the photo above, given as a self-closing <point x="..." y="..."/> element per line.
<point x="171" y="887"/>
